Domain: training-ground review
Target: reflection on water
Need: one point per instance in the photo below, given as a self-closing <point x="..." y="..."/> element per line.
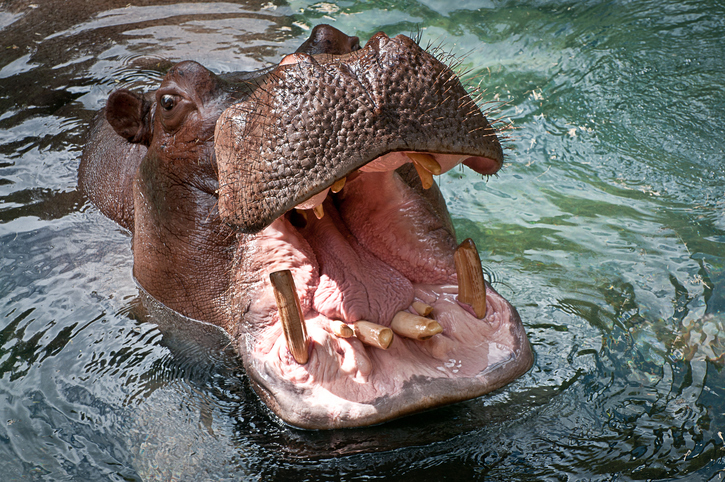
<point x="605" y="229"/>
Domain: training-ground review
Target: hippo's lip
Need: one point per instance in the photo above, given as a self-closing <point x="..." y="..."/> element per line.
<point x="380" y="245"/>
<point x="382" y="242"/>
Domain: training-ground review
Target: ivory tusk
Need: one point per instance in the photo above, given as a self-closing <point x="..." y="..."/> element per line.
<point x="373" y="334"/>
<point x="319" y="211"/>
<point x="426" y="178"/>
<point x="290" y="314"/>
<point x="414" y="326"/>
<point x="421" y="308"/>
<point x="471" y="287"/>
<point x="338" y="185"/>
<point x="341" y="329"/>
<point x="426" y="161"/>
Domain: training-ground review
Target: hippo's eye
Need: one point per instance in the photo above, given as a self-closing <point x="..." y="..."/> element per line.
<point x="168" y="101"/>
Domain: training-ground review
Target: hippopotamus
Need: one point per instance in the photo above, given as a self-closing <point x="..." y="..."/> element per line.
<point x="296" y="208"/>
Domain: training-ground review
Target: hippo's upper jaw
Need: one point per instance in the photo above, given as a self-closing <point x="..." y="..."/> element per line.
<point x="381" y="120"/>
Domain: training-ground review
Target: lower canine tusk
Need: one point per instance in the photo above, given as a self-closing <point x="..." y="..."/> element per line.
<point x="471" y="287"/>
<point x="414" y="326"/>
<point x="373" y="334"/>
<point x="290" y="314"/>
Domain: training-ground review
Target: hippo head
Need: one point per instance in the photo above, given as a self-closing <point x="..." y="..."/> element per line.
<point x="328" y="169"/>
<point x="319" y="239"/>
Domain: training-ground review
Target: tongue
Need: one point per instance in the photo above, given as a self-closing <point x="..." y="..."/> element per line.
<point x="419" y="244"/>
<point x="354" y="284"/>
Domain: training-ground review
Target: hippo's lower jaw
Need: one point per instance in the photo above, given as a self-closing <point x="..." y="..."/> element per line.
<point x="382" y="243"/>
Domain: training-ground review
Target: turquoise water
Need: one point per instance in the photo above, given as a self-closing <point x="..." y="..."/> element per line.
<point x="606" y="229"/>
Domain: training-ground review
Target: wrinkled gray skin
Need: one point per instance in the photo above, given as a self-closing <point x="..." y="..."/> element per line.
<point x="206" y="173"/>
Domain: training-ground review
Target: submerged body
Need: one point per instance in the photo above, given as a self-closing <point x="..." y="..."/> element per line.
<point x="320" y="168"/>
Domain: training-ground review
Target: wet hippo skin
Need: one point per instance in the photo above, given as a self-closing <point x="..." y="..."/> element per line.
<point x="225" y="179"/>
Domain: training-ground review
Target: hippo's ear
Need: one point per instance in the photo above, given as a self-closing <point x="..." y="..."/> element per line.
<point x="128" y="114"/>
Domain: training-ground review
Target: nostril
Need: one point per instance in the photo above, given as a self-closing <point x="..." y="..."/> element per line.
<point x="378" y="41"/>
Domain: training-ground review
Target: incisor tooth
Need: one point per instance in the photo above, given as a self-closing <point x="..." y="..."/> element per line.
<point x="319" y="211"/>
<point x="373" y="334"/>
<point x="425" y="160"/>
<point x="471" y="287"/>
<point x="338" y="185"/>
<point x="341" y="329"/>
<point x="414" y="326"/>
<point x="426" y="178"/>
<point x="290" y="314"/>
<point x="421" y="308"/>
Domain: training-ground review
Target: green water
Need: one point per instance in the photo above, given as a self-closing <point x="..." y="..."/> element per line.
<point x="606" y="229"/>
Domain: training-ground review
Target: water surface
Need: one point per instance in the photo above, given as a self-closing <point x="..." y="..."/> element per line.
<point x="606" y="229"/>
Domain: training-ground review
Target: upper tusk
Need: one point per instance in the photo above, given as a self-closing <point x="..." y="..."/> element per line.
<point x="426" y="178"/>
<point x="425" y="160"/>
<point x="338" y="185"/>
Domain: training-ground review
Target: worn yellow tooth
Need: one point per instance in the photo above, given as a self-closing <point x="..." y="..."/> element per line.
<point x="425" y="160"/>
<point x="319" y="211"/>
<point x="290" y="314"/>
<point x="421" y="308"/>
<point x="373" y="334"/>
<point x="414" y="326"/>
<point x="426" y="178"/>
<point x="341" y="329"/>
<point x="471" y="287"/>
<point x="338" y="185"/>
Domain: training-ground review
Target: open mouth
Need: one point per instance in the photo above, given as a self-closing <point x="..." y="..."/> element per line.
<point x="356" y="304"/>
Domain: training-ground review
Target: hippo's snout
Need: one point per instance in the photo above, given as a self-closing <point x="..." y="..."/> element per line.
<point x="319" y="119"/>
